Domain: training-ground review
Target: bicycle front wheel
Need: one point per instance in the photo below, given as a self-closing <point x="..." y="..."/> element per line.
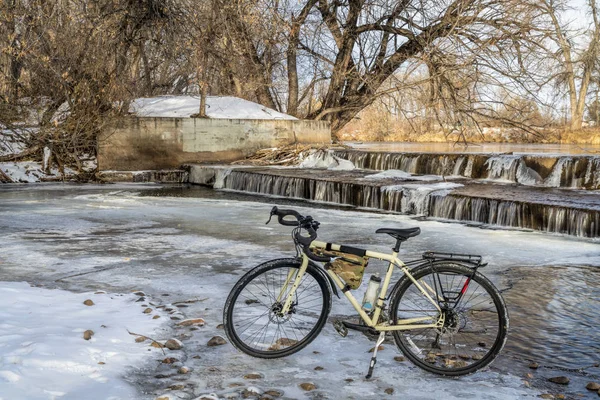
<point x="474" y="314"/>
<point x="253" y="320"/>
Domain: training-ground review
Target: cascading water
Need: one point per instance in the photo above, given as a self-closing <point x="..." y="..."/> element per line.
<point x="549" y="171"/>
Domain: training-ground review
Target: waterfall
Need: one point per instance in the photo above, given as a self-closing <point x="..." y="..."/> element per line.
<point x="550" y="171"/>
<point x="503" y="167"/>
<point x="550" y="210"/>
<point x="543" y="217"/>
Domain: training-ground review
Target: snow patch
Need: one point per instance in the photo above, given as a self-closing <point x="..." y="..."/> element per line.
<point x="217" y="107"/>
<point x="42" y="351"/>
<point x="399" y="174"/>
<point x="326" y="160"/>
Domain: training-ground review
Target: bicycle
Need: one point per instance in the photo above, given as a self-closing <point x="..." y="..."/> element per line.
<point x="443" y="314"/>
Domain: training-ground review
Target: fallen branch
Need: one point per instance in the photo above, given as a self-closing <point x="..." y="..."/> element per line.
<point x="160" y="345"/>
<point x="19" y="156"/>
<point x="5" y="178"/>
<point x="189" y="301"/>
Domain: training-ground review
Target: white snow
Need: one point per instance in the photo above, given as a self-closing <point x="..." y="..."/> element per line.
<point x="42" y="351"/>
<point x="399" y="174"/>
<point x="29" y="171"/>
<point x="326" y="160"/>
<point x="218" y="107"/>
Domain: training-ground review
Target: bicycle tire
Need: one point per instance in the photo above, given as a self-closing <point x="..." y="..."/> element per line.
<point x="256" y="294"/>
<point x="475" y="327"/>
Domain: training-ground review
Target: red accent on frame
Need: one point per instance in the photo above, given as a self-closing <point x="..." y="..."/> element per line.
<point x="464" y="289"/>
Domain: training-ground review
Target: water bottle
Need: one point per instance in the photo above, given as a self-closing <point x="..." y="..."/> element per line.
<point x="371" y="293"/>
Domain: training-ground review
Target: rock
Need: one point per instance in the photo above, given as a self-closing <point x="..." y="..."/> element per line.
<point x="250" y="392"/>
<point x="183" y="370"/>
<point x="220" y="326"/>
<point x="166" y="294"/>
<point x="139" y="293"/>
<point x="147" y="311"/>
<point x="476" y="357"/>
<point x="399" y="358"/>
<point x="307" y="386"/>
<point x="144" y="305"/>
<point x="216" y="341"/>
<point x="389" y="391"/>
<point x="181" y="305"/>
<point x="316" y="352"/>
<point x="194" y="328"/>
<point x="176" y="387"/>
<point x="164" y="397"/>
<point x="349" y="380"/>
<point x="87" y="335"/>
<point x="253" y="376"/>
<point x="192" y="322"/>
<point x="88" y="302"/>
<point x="534" y="365"/>
<point x="140" y="300"/>
<point x="560" y="396"/>
<point x="481" y="344"/>
<point x="235" y="384"/>
<point x="140" y="339"/>
<point x="546" y="396"/>
<point x="317" y="368"/>
<point x="173" y="344"/>
<point x="169" y="360"/>
<point x="561" y="380"/>
<point x="162" y="376"/>
<point x="100" y="292"/>
<point x="593" y="386"/>
<point x="529" y="376"/>
<point x="101" y="363"/>
<point x="176" y="318"/>
<point x="378" y="349"/>
<point x="273" y="393"/>
<point x="197" y="357"/>
<point x="156" y="317"/>
<point x="157" y="345"/>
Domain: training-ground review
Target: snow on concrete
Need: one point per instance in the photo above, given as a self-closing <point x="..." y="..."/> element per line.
<point x="326" y="160"/>
<point x="399" y="174"/>
<point x="43" y="354"/>
<point x="219" y="107"/>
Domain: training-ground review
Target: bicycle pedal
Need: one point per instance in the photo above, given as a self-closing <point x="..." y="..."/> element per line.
<point x="340" y="328"/>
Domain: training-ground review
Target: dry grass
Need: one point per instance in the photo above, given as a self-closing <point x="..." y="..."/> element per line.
<point x="380" y="126"/>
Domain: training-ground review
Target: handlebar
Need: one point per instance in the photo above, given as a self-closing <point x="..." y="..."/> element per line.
<point x="307" y="223"/>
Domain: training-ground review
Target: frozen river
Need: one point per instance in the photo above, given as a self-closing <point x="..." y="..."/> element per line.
<point x="122" y="238"/>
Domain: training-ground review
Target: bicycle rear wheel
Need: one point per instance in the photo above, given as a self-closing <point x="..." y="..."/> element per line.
<point x="475" y="319"/>
<point x="253" y="322"/>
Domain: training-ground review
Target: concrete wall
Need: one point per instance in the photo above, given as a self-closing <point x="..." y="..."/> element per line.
<point x="133" y="143"/>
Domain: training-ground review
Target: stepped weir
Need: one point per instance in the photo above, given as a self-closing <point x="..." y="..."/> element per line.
<point x="530" y="170"/>
<point x="455" y="198"/>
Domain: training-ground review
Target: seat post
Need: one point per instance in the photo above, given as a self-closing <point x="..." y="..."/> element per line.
<point x="396" y="248"/>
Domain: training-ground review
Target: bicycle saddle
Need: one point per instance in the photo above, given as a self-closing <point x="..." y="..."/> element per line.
<point x="400" y="234"/>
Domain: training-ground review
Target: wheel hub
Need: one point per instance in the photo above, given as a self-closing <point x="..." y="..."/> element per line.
<point x="277" y="317"/>
<point x="453" y="321"/>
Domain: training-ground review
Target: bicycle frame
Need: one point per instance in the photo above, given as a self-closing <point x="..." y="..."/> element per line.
<point x="403" y="324"/>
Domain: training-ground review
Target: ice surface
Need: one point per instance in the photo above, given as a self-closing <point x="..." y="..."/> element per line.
<point x="42" y="351"/>
<point x="195" y="248"/>
<point x="219" y="107"/>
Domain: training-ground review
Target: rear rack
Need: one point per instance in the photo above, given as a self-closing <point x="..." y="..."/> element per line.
<point x="470" y="258"/>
